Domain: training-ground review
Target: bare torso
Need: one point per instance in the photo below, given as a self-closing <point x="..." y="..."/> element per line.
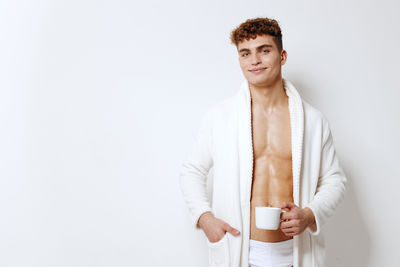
<point x="272" y="171"/>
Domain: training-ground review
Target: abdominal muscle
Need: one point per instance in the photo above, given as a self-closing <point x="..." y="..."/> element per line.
<point x="272" y="186"/>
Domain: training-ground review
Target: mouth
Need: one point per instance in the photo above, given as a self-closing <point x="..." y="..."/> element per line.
<point x="257" y="70"/>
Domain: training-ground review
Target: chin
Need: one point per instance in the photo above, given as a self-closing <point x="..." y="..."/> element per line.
<point x="257" y="80"/>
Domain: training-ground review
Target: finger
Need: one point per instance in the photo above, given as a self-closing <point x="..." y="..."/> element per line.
<point x="232" y="230"/>
<point x="289" y="205"/>
<point x="290" y="215"/>
<point x="288" y="232"/>
<point x="283" y="205"/>
<point x="292" y="229"/>
<point x="289" y="224"/>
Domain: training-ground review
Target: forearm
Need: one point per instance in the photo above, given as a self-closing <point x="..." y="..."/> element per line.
<point x="194" y="172"/>
<point x="329" y="195"/>
<point x="195" y="196"/>
<point x="330" y="186"/>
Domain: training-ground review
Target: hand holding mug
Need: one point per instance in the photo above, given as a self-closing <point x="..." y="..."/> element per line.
<point x="296" y="220"/>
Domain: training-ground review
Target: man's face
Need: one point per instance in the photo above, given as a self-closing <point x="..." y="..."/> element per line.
<point x="260" y="60"/>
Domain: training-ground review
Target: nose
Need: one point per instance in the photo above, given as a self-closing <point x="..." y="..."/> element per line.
<point x="255" y="59"/>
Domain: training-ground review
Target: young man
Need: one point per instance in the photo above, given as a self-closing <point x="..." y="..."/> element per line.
<point x="268" y="147"/>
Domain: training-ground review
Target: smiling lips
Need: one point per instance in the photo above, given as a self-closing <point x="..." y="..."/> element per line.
<point x="257" y="70"/>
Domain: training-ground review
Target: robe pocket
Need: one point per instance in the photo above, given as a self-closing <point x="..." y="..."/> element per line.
<point x="218" y="252"/>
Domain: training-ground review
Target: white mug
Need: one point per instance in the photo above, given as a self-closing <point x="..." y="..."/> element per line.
<point x="268" y="218"/>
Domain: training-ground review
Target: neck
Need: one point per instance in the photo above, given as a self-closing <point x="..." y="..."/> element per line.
<point x="268" y="95"/>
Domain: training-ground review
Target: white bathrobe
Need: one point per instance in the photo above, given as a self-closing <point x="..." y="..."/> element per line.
<point x="224" y="142"/>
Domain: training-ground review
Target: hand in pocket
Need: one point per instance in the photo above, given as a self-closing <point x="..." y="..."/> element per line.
<point x="214" y="228"/>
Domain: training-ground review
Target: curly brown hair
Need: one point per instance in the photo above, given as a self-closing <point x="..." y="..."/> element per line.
<point x="251" y="28"/>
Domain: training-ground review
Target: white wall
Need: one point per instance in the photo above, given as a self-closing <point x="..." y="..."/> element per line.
<point x="100" y="101"/>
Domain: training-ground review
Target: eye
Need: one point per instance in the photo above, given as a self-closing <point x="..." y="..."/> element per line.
<point x="244" y="54"/>
<point x="266" y="50"/>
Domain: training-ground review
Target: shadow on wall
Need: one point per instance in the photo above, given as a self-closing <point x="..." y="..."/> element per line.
<point x="347" y="240"/>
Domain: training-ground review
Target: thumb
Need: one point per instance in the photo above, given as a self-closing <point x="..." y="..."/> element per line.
<point x="232" y="230"/>
<point x="288" y="205"/>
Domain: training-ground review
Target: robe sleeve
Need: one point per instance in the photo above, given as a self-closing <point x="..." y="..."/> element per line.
<point x="331" y="182"/>
<point x="194" y="171"/>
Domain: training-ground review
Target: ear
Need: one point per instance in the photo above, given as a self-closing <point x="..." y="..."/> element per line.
<point x="283" y="57"/>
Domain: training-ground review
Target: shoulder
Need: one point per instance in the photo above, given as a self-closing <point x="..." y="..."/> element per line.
<point x="222" y="108"/>
<point x="315" y="120"/>
<point x="312" y="113"/>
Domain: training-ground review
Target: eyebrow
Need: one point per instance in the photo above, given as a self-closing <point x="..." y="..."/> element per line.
<point x="258" y="48"/>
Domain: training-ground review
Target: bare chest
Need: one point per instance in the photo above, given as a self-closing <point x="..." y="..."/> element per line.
<point x="271" y="135"/>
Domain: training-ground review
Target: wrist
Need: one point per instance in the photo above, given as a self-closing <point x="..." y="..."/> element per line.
<point x="310" y="218"/>
<point x="203" y="218"/>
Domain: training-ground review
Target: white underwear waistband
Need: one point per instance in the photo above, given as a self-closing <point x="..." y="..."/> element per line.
<point x="271" y="254"/>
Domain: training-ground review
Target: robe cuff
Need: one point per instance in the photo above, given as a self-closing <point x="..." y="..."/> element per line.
<point x="317" y="221"/>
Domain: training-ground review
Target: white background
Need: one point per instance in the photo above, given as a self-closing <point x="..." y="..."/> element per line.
<point x="100" y="102"/>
